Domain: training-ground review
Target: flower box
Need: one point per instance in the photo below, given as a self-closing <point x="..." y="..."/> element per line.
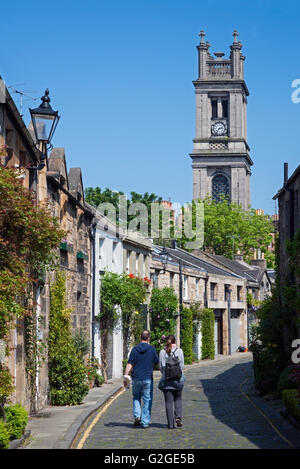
<point x="82" y="255"/>
<point x="64" y="246"/>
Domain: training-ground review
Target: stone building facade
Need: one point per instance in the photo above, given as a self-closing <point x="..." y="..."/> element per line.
<point x="218" y="283"/>
<point x="288" y="198"/>
<point x="220" y="158"/>
<point x="107" y="256"/>
<point x="210" y="285"/>
<point x="137" y="255"/>
<point x="21" y="154"/>
<point x="63" y="192"/>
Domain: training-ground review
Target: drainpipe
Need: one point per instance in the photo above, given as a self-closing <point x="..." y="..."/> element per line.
<point x="291" y="201"/>
<point x="93" y="237"/>
<point x="229" y="319"/>
<point x="205" y="292"/>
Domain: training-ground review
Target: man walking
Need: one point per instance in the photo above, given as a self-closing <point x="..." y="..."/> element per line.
<point x="141" y="360"/>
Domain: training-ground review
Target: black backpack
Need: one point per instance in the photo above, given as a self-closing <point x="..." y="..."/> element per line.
<point x="173" y="368"/>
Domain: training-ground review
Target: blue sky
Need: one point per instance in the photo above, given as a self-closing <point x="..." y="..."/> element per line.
<point x="121" y="72"/>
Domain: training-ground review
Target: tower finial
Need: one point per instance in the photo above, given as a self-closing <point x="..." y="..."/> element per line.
<point x="202" y="34"/>
<point x="235" y="34"/>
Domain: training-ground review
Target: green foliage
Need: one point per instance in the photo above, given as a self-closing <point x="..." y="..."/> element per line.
<point x="207" y="332"/>
<point x="4" y="435"/>
<point x="267" y="346"/>
<point x="285" y="381"/>
<point x="187" y="335"/>
<point x="292" y="403"/>
<point x="136" y="327"/>
<point x="67" y="372"/>
<point x="6" y="388"/>
<point x="96" y="196"/>
<point x="163" y="307"/>
<point x="81" y="343"/>
<point x="273" y="336"/>
<point x="92" y="367"/>
<point x="16" y="420"/>
<point x="99" y="380"/>
<point x="292" y="292"/>
<point x="28" y="235"/>
<point x="120" y="296"/>
<point x="28" y="238"/>
<point x="124" y="364"/>
<point x="228" y="228"/>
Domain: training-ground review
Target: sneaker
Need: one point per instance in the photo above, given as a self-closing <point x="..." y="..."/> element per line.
<point x="179" y="422"/>
<point x="136" y="422"/>
<point x="144" y="426"/>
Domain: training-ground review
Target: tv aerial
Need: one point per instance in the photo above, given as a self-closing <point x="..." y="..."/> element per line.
<point x="23" y="95"/>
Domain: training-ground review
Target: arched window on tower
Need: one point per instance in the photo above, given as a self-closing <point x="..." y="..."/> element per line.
<point x="220" y="187"/>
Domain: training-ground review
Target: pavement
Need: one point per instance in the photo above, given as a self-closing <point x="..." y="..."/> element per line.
<point x="62" y="427"/>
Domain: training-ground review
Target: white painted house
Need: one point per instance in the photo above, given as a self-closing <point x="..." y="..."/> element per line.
<point x="107" y="256"/>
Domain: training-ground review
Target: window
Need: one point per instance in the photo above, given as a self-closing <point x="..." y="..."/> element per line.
<point x="225" y="108"/>
<point x="101" y="244"/>
<point x="220" y="187"/>
<point x="155" y="278"/>
<point x="171" y="280"/>
<point x="213" y="289"/>
<point x="80" y="266"/>
<point x="214" y="109"/>
<point x="128" y="260"/>
<point x="197" y="288"/>
<point x="114" y="251"/>
<point x="144" y="265"/>
<point x="64" y="261"/>
<point x="185" y="288"/>
<point x="239" y="291"/>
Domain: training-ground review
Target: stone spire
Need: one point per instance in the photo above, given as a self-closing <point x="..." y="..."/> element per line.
<point x="235" y="56"/>
<point x="202" y="55"/>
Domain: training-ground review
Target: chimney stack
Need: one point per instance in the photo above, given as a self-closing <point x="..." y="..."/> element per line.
<point x="286" y="172"/>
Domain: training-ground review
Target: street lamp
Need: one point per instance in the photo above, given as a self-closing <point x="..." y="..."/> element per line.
<point x="44" y="121"/>
<point x="163" y="255"/>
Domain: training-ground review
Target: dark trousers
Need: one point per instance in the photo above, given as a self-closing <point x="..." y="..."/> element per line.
<point x="173" y="403"/>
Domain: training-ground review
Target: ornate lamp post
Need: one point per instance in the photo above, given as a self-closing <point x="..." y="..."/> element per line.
<point x="44" y="122"/>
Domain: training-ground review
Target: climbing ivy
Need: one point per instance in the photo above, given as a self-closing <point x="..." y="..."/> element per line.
<point x="120" y="297"/>
<point x="28" y="237"/>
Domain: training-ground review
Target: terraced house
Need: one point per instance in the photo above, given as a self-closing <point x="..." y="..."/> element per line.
<point x="62" y="191"/>
<point x="213" y="282"/>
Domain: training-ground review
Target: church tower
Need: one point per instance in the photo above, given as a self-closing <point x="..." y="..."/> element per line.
<point x="220" y="159"/>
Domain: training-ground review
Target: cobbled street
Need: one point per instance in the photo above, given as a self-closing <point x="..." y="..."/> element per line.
<point x="215" y="414"/>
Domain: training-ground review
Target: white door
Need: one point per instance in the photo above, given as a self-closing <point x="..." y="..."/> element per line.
<point x="235" y="332"/>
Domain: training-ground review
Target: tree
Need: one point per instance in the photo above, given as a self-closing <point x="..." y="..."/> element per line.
<point x="96" y="196"/>
<point x="67" y="373"/>
<point x="120" y="296"/>
<point x="228" y="229"/>
<point x="163" y="308"/>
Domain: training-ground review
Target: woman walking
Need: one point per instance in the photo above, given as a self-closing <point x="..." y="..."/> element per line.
<point x="171" y="363"/>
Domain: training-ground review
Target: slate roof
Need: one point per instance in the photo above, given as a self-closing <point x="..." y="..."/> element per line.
<point x="251" y="273"/>
<point x="192" y="261"/>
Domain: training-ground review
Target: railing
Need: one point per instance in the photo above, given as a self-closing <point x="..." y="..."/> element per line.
<point x="219" y="69"/>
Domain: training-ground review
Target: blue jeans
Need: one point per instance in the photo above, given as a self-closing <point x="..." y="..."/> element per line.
<point x="142" y="389"/>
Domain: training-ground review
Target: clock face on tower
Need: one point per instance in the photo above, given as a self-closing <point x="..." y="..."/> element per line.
<point x="218" y="128"/>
